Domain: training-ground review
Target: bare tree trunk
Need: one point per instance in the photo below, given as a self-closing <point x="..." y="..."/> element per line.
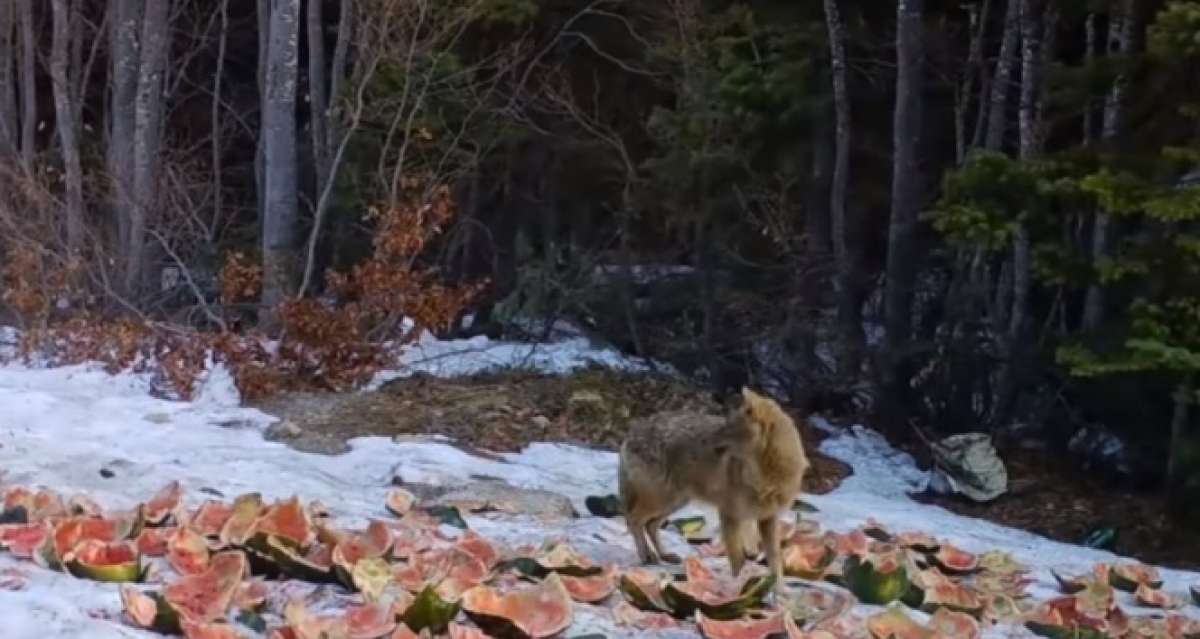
<point x="1002" y="79"/>
<point x="334" y="138"/>
<point x="28" y="75"/>
<point x="1022" y="282"/>
<point x="1183" y="462"/>
<point x="1120" y="37"/>
<point x="65" y="123"/>
<point x="1049" y="53"/>
<point x="77" y="42"/>
<point x="850" y="325"/>
<point x="341" y="52"/>
<point x="319" y="116"/>
<point x="147" y="138"/>
<point x="1089" y="59"/>
<point x="264" y="38"/>
<point x="979" y="137"/>
<point x="279" y="234"/>
<point x="708" y="294"/>
<point x="901" y="251"/>
<point x="841" y="105"/>
<point x="628" y="299"/>
<point x="83" y="65"/>
<point x="901" y="269"/>
<point x="8" y="84"/>
<point x="818" y="225"/>
<point x="218" y="78"/>
<point x="318" y="98"/>
<point x="263" y="14"/>
<point x="1028" y="148"/>
<point x="974" y="63"/>
<point x="1002" y="300"/>
<point x="124" y="33"/>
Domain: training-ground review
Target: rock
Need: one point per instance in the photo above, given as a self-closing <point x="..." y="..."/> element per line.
<point x="585" y="398"/>
<point x="306" y="440"/>
<point x="588" y="407"/>
<point x="491" y="496"/>
<point x="237" y="424"/>
<point x="423" y="492"/>
<point x="286" y="429"/>
<point x="603" y="505"/>
<point x="968" y="464"/>
<point x="109" y="469"/>
<point x="1117" y="461"/>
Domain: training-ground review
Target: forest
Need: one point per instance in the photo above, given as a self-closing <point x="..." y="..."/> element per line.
<point x="953" y="216"/>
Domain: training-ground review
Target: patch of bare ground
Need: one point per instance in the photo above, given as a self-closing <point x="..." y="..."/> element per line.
<point x="505" y="411"/>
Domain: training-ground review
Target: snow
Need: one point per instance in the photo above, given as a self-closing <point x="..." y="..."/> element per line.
<point x="879" y="489"/>
<point x="460" y="357"/>
<point x="643" y="273"/>
<point x="60" y="428"/>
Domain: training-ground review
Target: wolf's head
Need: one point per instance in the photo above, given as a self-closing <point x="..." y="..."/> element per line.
<point x="760" y="415"/>
<point x="762" y="423"/>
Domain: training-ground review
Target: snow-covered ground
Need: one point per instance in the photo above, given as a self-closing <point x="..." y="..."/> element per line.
<point x="79" y="430"/>
<point x="448" y="358"/>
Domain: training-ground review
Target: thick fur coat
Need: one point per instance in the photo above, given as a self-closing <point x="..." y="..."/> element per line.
<point x="748" y="465"/>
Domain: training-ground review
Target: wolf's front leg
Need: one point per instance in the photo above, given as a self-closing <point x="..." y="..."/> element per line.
<point x="730" y="529"/>
<point x="768" y="529"/>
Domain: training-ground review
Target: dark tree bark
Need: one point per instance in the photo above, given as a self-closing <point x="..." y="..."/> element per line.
<point x="901" y="254"/>
<point x="335" y="138"/>
<point x="87" y="45"/>
<point x="1183" y="462"/>
<point x="978" y="20"/>
<point x="218" y="78"/>
<point x="1028" y="147"/>
<point x="124" y="33"/>
<point x="1035" y="31"/>
<point x="850" y="326"/>
<point x="318" y="97"/>
<point x="1002" y="79"/>
<point x="77" y="42"/>
<point x="1122" y="27"/>
<point x="9" y="137"/>
<point x="341" y="53"/>
<point x="1048" y="47"/>
<point x="280" y="214"/>
<point x="1089" y="59"/>
<point x="263" y="14"/>
<point x="65" y="122"/>
<point x="325" y="81"/>
<point x="147" y="136"/>
<point x="27" y="68"/>
<point x="818" y="225"/>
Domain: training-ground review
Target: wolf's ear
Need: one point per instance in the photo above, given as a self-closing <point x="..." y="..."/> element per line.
<point x="746" y="405"/>
<point x="752" y="399"/>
